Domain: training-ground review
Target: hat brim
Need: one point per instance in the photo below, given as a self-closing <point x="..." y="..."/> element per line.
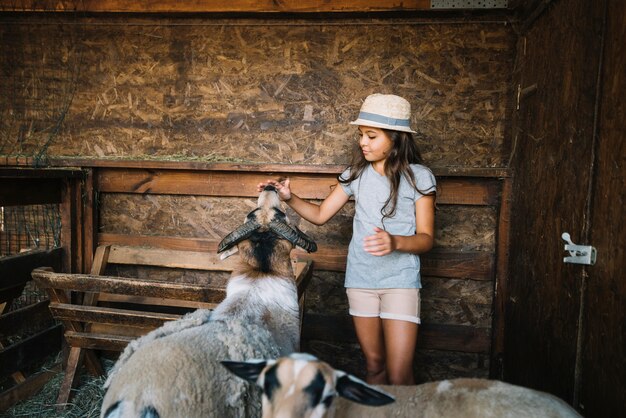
<point x="365" y="122"/>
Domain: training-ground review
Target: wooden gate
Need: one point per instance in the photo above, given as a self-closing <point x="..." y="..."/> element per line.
<point x="565" y="322"/>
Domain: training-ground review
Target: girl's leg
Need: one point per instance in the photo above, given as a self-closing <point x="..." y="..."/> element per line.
<point x="369" y="332"/>
<point x="400" y="342"/>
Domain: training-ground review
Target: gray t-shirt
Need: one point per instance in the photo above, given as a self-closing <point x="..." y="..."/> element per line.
<point x="371" y="190"/>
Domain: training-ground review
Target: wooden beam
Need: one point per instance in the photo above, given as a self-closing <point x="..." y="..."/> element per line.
<point x="15" y="322"/>
<point x="97" y="341"/>
<point x="439" y="262"/>
<point x="105" y="315"/>
<point x="126" y="286"/>
<point x="38" y="173"/>
<point x="501" y="293"/>
<point x="451" y="190"/>
<point x="29" y="191"/>
<point x="461" y="338"/>
<point x="28" y="388"/>
<point x="439" y="171"/>
<point x="213" y="6"/>
<point x="30" y="350"/>
<point x="15" y="269"/>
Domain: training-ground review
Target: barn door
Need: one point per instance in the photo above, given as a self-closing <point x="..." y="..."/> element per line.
<point x="602" y="370"/>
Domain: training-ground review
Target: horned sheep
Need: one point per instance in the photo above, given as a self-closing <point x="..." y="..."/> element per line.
<point x="175" y="369"/>
<point x="300" y="385"/>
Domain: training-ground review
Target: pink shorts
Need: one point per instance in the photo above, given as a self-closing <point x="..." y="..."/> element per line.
<point x="400" y="304"/>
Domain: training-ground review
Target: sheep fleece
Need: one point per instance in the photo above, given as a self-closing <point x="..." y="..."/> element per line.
<point x="180" y="374"/>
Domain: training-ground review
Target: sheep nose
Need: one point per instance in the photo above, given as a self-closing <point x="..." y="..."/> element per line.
<point x="269" y="188"/>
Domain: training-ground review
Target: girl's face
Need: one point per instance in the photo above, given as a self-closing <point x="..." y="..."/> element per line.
<point x="374" y="143"/>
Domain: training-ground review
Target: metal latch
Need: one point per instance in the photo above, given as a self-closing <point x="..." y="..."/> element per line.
<point x="579" y="254"/>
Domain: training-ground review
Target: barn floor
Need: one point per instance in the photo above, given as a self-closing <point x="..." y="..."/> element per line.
<point x="85" y="404"/>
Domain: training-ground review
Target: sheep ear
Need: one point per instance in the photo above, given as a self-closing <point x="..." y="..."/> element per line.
<point x="238" y="235"/>
<point x="358" y="391"/>
<point x="293" y="235"/>
<point x="248" y="370"/>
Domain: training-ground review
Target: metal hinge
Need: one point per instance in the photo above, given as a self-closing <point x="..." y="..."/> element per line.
<point x="579" y="254"/>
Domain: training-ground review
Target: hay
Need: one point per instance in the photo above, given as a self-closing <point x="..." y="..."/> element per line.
<point x="85" y="404"/>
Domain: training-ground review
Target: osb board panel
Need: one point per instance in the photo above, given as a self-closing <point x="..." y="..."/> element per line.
<point x="454" y="301"/>
<point x="553" y="132"/>
<point x="200" y="217"/>
<point x="429" y="365"/>
<point x="603" y="364"/>
<point x="466" y="227"/>
<point x="276" y="91"/>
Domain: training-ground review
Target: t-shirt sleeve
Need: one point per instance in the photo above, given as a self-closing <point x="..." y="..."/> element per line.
<point x="425" y="181"/>
<point x="347" y="187"/>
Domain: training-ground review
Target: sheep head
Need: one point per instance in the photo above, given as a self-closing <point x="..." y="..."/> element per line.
<point x="266" y="233"/>
<point x="301" y="385"/>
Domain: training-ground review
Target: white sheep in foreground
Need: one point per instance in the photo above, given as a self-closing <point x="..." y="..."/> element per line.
<point x="174" y="371"/>
<point x="300" y="385"/>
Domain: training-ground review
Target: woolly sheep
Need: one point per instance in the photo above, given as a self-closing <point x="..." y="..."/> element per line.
<point x="300" y="385"/>
<point x="174" y="371"/>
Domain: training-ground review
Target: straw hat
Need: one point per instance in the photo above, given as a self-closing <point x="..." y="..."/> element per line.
<point x="386" y="111"/>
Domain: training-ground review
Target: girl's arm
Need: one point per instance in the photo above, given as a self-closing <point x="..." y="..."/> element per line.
<point x="382" y="242"/>
<point x="316" y="214"/>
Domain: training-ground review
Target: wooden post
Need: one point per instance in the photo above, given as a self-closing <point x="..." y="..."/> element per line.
<point x="500" y="284"/>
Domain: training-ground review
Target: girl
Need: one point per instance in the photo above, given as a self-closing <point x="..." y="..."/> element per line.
<point x="393" y="223"/>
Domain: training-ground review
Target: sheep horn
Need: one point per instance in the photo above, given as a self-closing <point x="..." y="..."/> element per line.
<point x="238" y="235"/>
<point x="293" y="235"/>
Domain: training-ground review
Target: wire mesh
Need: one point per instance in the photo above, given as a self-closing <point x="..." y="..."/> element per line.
<point x="29" y="227"/>
<point x="24" y="228"/>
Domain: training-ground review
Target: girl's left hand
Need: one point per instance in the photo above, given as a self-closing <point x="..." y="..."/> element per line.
<point x="381" y="243"/>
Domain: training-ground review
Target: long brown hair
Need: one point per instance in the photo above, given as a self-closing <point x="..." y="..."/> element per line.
<point x="404" y="152"/>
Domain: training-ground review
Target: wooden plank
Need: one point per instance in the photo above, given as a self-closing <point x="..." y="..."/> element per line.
<point x="105" y="315"/>
<point x="30" y="350"/>
<point x="439" y="262"/>
<point x="602" y="364"/>
<point x="153" y="301"/>
<point x="460" y="338"/>
<point x="90" y="221"/>
<point x="439" y="171"/>
<point x="28" y="388"/>
<point x="303" y="270"/>
<point x="68" y="222"/>
<point x="126" y="286"/>
<point x="39" y="173"/>
<point x="170" y="258"/>
<point x="212" y="6"/>
<point x="501" y="279"/>
<point x="29" y="191"/>
<point x="97" y="341"/>
<point x="451" y="190"/>
<point x="15" y="269"/>
<point x="14" y="322"/>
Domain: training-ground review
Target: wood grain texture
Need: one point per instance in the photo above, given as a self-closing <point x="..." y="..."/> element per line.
<point x="213" y="6"/>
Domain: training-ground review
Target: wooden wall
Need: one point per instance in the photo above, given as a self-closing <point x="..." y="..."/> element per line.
<point x="255" y="91"/>
<point x="564" y="322"/>
<point x="190" y="90"/>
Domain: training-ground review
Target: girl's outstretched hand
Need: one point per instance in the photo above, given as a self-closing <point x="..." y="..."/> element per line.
<point x="282" y="186"/>
<point x="381" y="243"/>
